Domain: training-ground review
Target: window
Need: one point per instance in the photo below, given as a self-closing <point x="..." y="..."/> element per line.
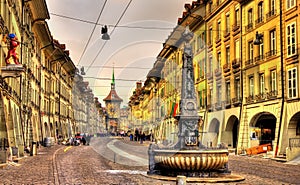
<point x="292" y="83"/>
<point x="200" y="98"/>
<point x="250" y="17"/>
<point x="251" y="85"/>
<point x="210" y="36"/>
<point x="260" y="12"/>
<point x="219" y="60"/>
<point x="290" y="4"/>
<point x="219" y="29"/>
<point x="227" y="55"/>
<point x="202" y="39"/>
<point x="210" y="64"/>
<point x="227" y="23"/>
<point x="210" y="7"/>
<point x="199" y="42"/>
<point x="272" y="7"/>
<point x="250" y="50"/>
<point x="237" y="16"/>
<point x="194" y="46"/>
<point x="237" y="48"/>
<point x="262" y="83"/>
<point x="291" y="39"/>
<point x="272" y="42"/>
<point x="261" y="51"/>
<point x="273" y="81"/>
<point x="237" y="88"/>
<point x="219" y="93"/>
<point x="227" y="92"/>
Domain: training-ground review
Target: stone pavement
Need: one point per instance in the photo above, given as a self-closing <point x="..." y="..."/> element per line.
<point x="60" y="164"/>
<point x="32" y="169"/>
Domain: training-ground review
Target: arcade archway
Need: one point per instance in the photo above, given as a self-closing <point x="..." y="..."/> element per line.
<point x="262" y="128"/>
<point x="211" y="137"/>
<point x="293" y="129"/>
<point x="230" y="136"/>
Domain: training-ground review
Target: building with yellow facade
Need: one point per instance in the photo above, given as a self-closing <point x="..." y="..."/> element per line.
<point x="44" y="98"/>
<point x="246" y="75"/>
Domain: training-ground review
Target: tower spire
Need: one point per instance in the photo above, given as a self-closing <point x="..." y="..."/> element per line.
<point x="113" y="76"/>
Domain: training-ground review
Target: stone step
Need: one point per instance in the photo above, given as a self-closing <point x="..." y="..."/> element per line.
<point x="3" y="165"/>
<point x="16" y="159"/>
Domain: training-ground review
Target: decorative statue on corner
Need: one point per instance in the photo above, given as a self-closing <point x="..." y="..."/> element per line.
<point x="13" y="44"/>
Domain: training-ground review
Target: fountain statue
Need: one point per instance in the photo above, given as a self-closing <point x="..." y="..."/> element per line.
<point x="188" y="157"/>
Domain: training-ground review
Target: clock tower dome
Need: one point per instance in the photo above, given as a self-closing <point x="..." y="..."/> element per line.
<point x="112" y="105"/>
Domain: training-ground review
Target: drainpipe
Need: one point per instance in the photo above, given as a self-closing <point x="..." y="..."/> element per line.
<point x="282" y="81"/>
<point x="241" y="75"/>
<point x="21" y="61"/>
<point x="59" y="96"/>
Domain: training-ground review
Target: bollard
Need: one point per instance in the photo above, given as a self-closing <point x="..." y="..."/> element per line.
<point x="114" y="157"/>
<point x="181" y="180"/>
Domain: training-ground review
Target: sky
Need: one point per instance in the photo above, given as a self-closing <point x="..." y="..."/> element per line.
<point x="132" y="48"/>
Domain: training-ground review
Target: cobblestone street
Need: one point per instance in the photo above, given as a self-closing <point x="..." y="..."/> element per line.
<point x="86" y="165"/>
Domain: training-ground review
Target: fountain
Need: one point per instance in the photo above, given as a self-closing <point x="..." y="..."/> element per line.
<point x="188" y="157"/>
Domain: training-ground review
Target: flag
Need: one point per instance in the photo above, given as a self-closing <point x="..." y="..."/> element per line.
<point x="175" y="109"/>
<point x="172" y="108"/>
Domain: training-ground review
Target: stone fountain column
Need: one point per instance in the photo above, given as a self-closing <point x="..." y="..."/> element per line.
<point x="188" y="117"/>
<point x="188" y="157"/>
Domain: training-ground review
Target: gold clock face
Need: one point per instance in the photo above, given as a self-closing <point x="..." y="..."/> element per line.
<point x="112" y="110"/>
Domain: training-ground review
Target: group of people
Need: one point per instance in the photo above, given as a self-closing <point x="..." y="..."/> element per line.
<point x="140" y="136"/>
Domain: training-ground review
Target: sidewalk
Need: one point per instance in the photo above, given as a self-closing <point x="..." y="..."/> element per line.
<point x="31" y="169"/>
<point x="136" y="143"/>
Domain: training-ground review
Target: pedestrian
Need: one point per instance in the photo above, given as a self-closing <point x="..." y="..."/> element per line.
<point x="151" y="136"/>
<point x="136" y="135"/>
<point x="131" y="137"/>
<point x="142" y="137"/>
<point x="83" y="140"/>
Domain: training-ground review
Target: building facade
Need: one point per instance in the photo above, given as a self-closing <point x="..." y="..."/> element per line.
<point x="43" y="97"/>
<point x="246" y="74"/>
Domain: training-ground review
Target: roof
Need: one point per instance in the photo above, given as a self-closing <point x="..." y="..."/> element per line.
<point x="113" y="96"/>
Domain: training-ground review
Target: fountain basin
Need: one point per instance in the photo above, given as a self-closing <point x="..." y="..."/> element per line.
<point x="191" y="160"/>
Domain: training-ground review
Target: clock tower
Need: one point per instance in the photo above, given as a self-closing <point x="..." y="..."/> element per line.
<point x="112" y="104"/>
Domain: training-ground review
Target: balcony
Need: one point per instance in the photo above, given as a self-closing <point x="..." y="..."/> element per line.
<point x="209" y="44"/>
<point x="227" y="103"/>
<point x="218" y="40"/>
<point x="260" y="97"/>
<point x="226" y="33"/>
<point x="209" y="76"/>
<point x="249" y="62"/>
<point x="218" y="106"/>
<point x="236" y="101"/>
<point x="259" y="58"/>
<point x="271" y="14"/>
<point x="271" y="53"/>
<point x="218" y="72"/>
<point x="250" y="99"/>
<point x="249" y="27"/>
<point x="272" y="95"/>
<point x="226" y="68"/>
<point x="259" y="20"/>
<point x="235" y="26"/>
<point x="236" y="63"/>
<point x="209" y="108"/>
